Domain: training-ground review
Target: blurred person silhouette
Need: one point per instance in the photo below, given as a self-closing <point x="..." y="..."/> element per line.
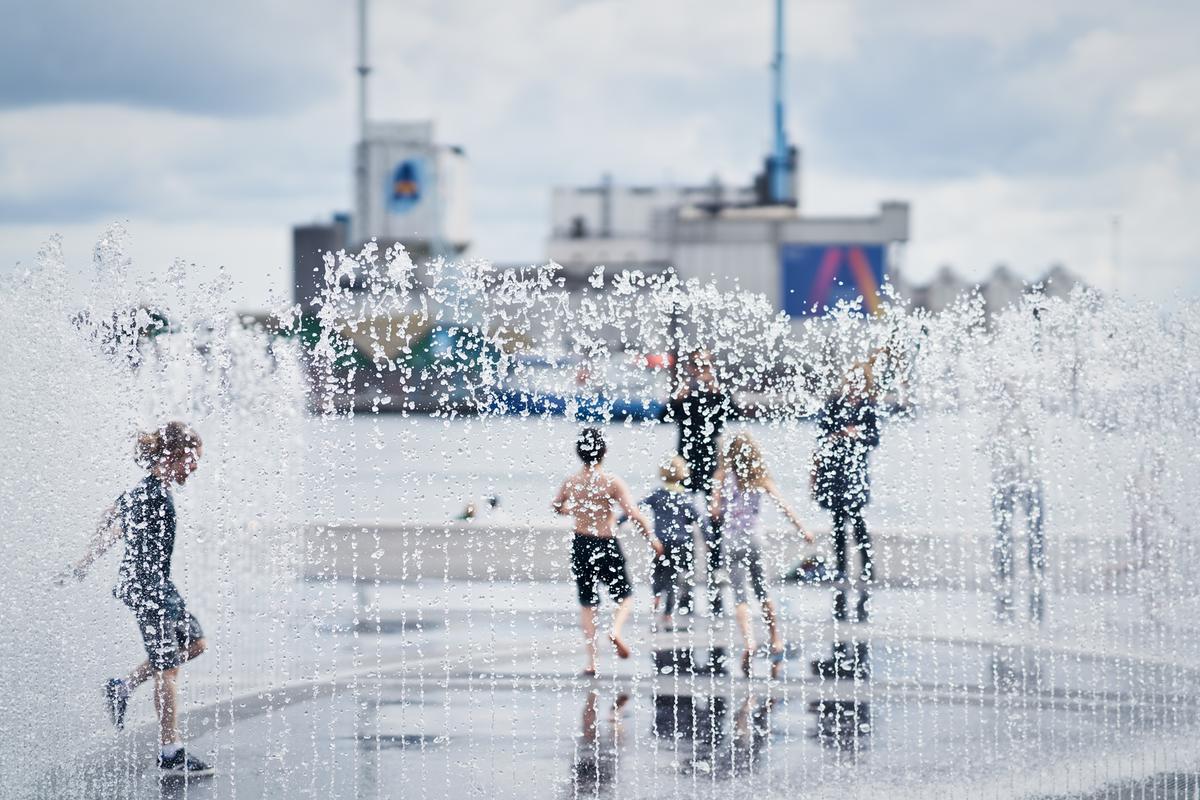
<point x="699" y="408"/>
<point x="144" y="519"/>
<point x="1016" y="486"/>
<point x="1147" y="508"/>
<point x="849" y="430"/>
<point x="1153" y="524"/>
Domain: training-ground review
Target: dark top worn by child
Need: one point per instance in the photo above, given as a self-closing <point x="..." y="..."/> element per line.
<point x="701" y="416"/>
<point x="841" y="463"/>
<point x="674" y="515"/>
<point x="168" y="630"/>
<point x="147" y="514"/>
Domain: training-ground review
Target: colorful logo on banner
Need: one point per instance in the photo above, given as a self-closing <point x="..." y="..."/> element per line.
<point x="817" y="276"/>
<point x="404" y="191"/>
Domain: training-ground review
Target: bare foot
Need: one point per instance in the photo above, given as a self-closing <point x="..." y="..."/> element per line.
<point x="588" y="673"/>
<point x="777" y="656"/>
<point x="622" y="648"/>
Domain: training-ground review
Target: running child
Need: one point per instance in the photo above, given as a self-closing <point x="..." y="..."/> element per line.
<point x="588" y="496"/>
<point x="675" y="519"/>
<point x="739" y="486"/>
<point x="144" y="517"/>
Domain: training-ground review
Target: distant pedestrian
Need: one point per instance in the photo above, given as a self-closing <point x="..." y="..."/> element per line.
<point x="849" y="428"/>
<point x="1016" y="487"/>
<point x="675" y="521"/>
<point x="144" y="518"/>
<point x="740" y="484"/>
<point x="473" y="510"/>
<point x="700" y="408"/>
<point x="596" y="556"/>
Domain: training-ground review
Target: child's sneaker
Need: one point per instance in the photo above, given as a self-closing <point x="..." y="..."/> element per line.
<point x="183" y="764"/>
<point x="116" y="698"/>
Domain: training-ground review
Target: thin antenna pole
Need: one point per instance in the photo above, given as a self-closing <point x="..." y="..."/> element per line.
<point x="779" y="172"/>
<point x="1114" y="258"/>
<point x="363" y="70"/>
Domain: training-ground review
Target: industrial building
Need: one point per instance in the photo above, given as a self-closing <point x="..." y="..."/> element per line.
<point x="411" y="189"/>
<point x="753" y="237"/>
<point x="802" y="264"/>
<point x="1000" y="289"/>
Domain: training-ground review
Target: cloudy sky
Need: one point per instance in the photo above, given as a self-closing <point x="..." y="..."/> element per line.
<point x="1017" y="130"/>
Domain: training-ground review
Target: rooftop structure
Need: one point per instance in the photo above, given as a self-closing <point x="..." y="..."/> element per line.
<point x="999" y="290"/>
<point x="410" y="189"/>
<point x="726" y="234"/>
<point x="753" y="237"/>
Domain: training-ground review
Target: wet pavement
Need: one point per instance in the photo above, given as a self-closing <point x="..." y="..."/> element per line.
<point x="424" y="698"/>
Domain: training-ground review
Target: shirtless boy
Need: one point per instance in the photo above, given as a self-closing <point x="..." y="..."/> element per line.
<point x="588" y="497"/>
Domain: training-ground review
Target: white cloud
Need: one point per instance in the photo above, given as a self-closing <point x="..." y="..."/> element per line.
<point x="89" y="162"/>
<point x="1028" y="224"/>
<point x="217" y="57"/>
<point x="1017" y="131"/>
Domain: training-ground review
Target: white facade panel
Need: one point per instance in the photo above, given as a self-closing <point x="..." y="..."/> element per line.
<point x="567" y="205"/>
<point x="583" y="254"/>
<point x="454" y="196"/>
<point x="751" y="267"/>
<point x="409" y="188"/>
<point x="630" y="210"/>
<point x="890" y="225"/>
<point x="705" y="233"/>
<point x="627" y="211"/>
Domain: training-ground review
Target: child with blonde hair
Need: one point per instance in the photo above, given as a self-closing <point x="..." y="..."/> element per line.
<point x="739" y="486"/>
<point x="675" y="520"/>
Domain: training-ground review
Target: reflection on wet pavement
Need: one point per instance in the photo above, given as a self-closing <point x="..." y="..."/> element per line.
<point x="842" y="724"/>
<point x="461" y="705"/>
<point x="594" y="767"/>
